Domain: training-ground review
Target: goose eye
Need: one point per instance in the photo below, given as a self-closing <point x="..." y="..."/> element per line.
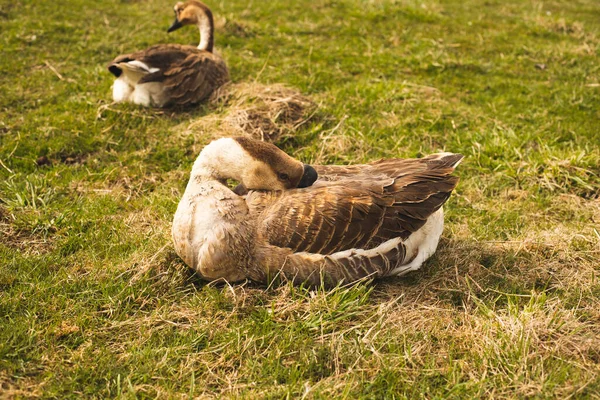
<point x="283" y="176"/>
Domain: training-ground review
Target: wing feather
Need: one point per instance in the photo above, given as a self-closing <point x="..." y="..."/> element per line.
<point x="323" y="219"/>
<point x="343" y="212"/>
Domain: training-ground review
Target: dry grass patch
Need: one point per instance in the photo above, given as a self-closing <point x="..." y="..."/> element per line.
<point x="265" y="112"/>
<point x="18" y="234"/>
<point x="550" y="23"/>
<point x="24" y="388"/>
<point x="122" y="184"/>
<point x="5" y="223"/>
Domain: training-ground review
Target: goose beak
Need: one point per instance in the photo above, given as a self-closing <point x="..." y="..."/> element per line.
<point x="176" y="25"/>
<point x="309" y="177"/>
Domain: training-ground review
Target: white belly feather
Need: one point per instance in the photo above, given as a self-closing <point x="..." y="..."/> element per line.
<point x="127" y="88"/>
<point x="422" y="244"/>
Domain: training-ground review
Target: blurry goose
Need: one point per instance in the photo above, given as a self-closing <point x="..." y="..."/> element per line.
<point x="172" y="74"/>
<point x="374" y="220"/>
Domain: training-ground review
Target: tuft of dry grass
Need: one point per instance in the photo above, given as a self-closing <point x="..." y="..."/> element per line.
<point x="265" y="112"/>
<point x="15" y="234"/>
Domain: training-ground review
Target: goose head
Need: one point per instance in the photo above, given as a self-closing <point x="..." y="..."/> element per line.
<point x="194" y="12"/>
<point x="256" y="165"/>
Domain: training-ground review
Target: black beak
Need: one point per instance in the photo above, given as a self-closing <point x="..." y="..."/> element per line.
<point x="240" y="190"/>
<point x="176" y="25"/>
<point x="309" y="177"/>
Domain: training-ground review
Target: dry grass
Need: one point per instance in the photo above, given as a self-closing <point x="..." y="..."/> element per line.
<point x="265" y="112"/>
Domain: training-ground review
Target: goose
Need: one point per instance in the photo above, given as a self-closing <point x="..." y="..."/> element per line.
<point x="172" y="74"/>
<point x="316" y="225"/>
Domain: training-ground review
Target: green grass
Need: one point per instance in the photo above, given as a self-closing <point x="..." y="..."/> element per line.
<point x="94" y="302"/>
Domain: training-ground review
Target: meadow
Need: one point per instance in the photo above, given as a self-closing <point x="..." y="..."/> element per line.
<point x="94" y="302"/>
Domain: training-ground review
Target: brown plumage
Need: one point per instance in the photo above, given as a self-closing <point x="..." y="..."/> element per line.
<point x="354" y="222"/>
<point x="167" y="75"/>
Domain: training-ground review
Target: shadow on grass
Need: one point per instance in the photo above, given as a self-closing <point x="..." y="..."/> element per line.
<point x="487" y="270"/>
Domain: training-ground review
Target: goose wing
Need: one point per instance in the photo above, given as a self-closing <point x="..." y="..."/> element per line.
<point x="390" y="168"/>
<point x="360" y="212"/>
<point x="161" y="57"/>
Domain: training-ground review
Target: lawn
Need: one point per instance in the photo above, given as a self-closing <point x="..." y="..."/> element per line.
<point x="95" y="303"/>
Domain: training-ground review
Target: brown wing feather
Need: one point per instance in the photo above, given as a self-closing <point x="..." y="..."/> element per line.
<point x="193" y="79"/>
<point x="347" y="212"/>
<point x="325" y="219"/>
<point x="161" y="56"/>
<point x="391" y="168"/>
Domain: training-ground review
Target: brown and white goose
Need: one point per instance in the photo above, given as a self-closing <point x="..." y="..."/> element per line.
<point x="172" y="74"/>
<point x="374" y="220"/>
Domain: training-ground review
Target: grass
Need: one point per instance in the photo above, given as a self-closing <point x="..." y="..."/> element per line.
<point x="94" y="302"/>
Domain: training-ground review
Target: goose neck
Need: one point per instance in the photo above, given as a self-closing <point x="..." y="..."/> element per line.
<point x="220" y="160"/>
<point x="204" y="174"/>
<point x="206" y="28"/>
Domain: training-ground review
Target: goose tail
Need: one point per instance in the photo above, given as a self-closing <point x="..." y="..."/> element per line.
<point x="448" y="160"/>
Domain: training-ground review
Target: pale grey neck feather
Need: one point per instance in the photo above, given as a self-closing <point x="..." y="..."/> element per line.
<point x="205" y="30"/>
